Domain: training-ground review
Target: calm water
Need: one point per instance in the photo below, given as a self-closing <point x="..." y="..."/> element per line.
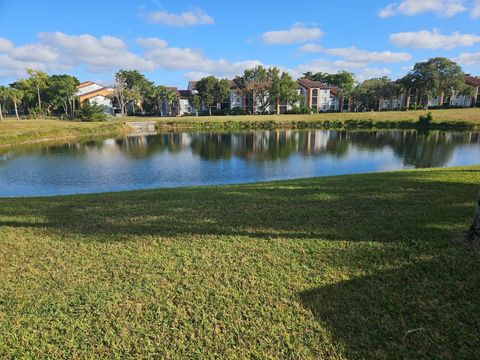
<point x="183" y="159"/>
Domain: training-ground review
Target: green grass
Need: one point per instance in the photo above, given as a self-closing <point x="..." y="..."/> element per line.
<point x="14" y="133"/>
<point x="361" y="266"/>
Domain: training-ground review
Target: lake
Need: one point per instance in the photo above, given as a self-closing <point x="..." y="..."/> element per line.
<point x="207" y="158"/>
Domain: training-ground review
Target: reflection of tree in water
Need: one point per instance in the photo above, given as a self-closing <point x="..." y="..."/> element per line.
<point x="212" y="146"/>
<point x="147" y="145"/>
<point x="416" y="149"/>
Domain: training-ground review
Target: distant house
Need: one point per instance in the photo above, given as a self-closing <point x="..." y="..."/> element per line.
<point x="184" y="107"/>
<point x="454" y="100"/>
<point x="234" y="100"/>
<point x="319" y="96"/>
<point x="475" y="82"/>
<point x="91" y="92"/>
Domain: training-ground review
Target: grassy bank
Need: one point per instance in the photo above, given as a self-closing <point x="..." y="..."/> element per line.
<point x="448" y="119"/>
<point x="362" y="266"/>
<point x="14" y="133"/>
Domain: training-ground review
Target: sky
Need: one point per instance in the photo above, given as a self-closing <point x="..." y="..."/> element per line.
<point x="172" y="42"/>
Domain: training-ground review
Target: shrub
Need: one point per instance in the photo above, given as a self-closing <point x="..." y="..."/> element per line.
<point x="299" y="110"/>
<point x="91" y="112"/>
<point x="425" y="121"/>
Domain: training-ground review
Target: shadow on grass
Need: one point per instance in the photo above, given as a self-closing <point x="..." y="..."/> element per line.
<point x="420" y="311"/>
<point x="358" y="208"/>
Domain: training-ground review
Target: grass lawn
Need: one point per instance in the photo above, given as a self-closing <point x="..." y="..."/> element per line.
<point x="358" y="266"/>
<point x="471" y="115"/>
<point x="13" y="132"/>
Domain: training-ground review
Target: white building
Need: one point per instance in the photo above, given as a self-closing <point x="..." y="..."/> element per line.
<point x="93" y="93"/>
<point x="318" y="96"/>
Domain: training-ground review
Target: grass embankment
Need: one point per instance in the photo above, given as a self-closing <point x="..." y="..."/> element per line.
<point x="362" y="266"/>
<point x="13" y="133"/>
<point x="446" y="119"/>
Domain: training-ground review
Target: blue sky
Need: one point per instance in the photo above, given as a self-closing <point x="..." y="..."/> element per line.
<point x="172" y="42"/>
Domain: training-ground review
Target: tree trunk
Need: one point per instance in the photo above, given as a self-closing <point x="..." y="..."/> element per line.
<point x="341" y="101"/>
<point x="407" y="100"/>
<point x="475" y="228"/>
<point x="442" y="96"/>
<point x="1" y="113"/>
<point x="39" y="99"/>
<point x="16" y="109"/>
<point x="210" y="110"/>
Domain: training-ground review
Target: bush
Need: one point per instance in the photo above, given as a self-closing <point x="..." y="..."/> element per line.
<point x="425" y="121"/>
<point x="297" y="110"/>
<point x="91" y="112"/>
<point x="238" y="111"/>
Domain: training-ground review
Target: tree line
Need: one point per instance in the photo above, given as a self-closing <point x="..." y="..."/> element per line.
<point x="437" y="77"/>
<point x="40" y="94"/>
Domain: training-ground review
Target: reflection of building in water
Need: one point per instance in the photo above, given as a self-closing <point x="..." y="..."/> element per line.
<point x="434" y="148"/>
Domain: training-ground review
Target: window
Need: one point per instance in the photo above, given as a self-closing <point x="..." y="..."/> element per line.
<point x="314" y="98"/>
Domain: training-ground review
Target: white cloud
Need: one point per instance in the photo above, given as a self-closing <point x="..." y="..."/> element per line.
<point x="151" y="43"/>
<point x="362" y="72"/>
<point x="297" y="34"/>
<point x="175" y="58"/>
<point x="469" y="59"/>
<point x="61" y="52"/>
<point x="476" y="10"/>
<point x="433" y="40"/>
<point x="310" y="48"/>
<point x="5" y="45"/>
<point x="188" y="18"/>
<point x="355" y="55"/>
<point x="444" y="8"/>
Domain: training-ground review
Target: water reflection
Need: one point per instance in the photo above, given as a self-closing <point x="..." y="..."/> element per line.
<point x="179" y="159"/>
<point x="418" y="150"/>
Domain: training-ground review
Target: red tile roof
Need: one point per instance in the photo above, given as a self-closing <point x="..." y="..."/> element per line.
<point x="85" y="83"/>
<point x="472" y="81"/>
<point x="309" y="84"/>
<point x="184" y="94"/>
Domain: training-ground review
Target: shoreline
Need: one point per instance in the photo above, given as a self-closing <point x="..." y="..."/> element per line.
<point x="15" y="133"/>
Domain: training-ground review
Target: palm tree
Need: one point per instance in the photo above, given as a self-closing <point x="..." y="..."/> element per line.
<point x="16" y="97"/>
<point x="468" y="90"/>
<point x="170" y="98"/>
<point x="3" y="99"/>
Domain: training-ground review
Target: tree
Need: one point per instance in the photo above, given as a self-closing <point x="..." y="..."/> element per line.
<point x="283" y="89"/>
<point x="449" y="76"/>
<point x="408" y="84"/>
<point x="221" y="90"/>
<point x="171" y="98"/>
<point x="437" y="76"/>
<point x="60" y="93"/>
<point x="256" y="82"/>
<point x="195" y="101"/>
<point x="120" y="91"/>
<point x="467" y="90"/>
<point x="391" y="90"/>
<point x="16" y="97"/>
<point x="206" y="88"/>
<point x="37" y="80"/>
<point x="3" y="99"/>
<point x="369" y="93"/>
<point x="131" y="87"/>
